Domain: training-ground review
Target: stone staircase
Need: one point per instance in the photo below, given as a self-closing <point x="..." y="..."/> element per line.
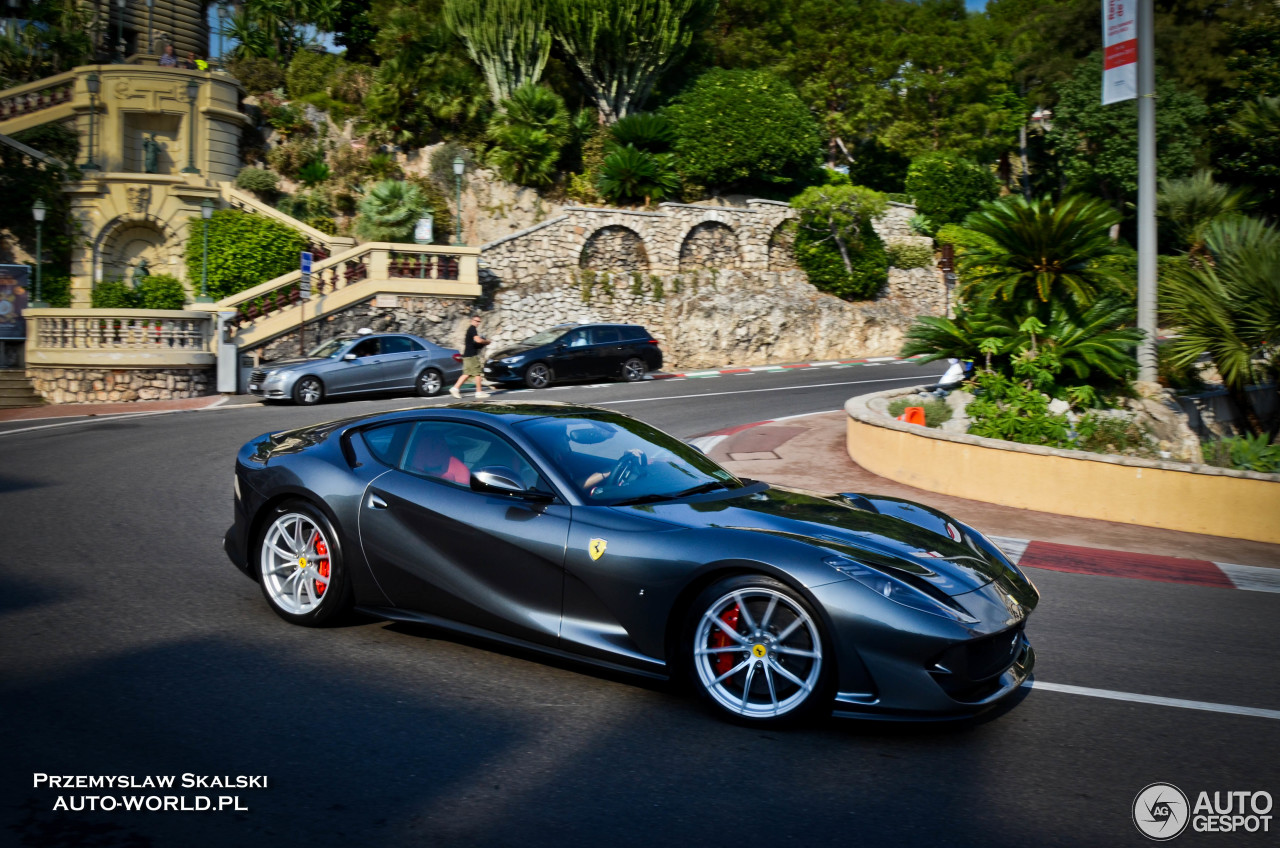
<point x="16" y="390"/>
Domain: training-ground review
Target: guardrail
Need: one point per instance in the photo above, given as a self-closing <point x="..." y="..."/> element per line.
<point x="37" y="96"/>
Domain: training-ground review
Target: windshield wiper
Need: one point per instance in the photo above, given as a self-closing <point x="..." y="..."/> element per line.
<point x="701" y="488"/>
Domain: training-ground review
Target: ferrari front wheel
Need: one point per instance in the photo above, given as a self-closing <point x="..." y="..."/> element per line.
<point x="300" y="566"/>
<point x="756" y="650"/>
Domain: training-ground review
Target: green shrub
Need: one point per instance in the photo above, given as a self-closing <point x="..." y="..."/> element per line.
<point x="244" y="251"/>
<point x="822" y="263"/>
<point x="317" y="203"/>
<point x="1244" y="453"/>
<point x="351" y="82"/>
<point x="907" y="256"/>
<point x="528" y="135"/>
<point x="323" y="224"/>
<point x="292" y="156"/>
<point x="309" y="72"/>
<point x="936" y="412"/>
<point x="442" y="163"/>
<point x="1107" y="434"/>
<point x="947" y="186"/>
<point x="55" y="289"/>
<point x="628" y="174"/>
<point x="1009" y="409"/>
<point x="257" y="75"/>
<point x="743" y="127"/>
<point x="160" y="291"/>
<point x="389" y="212"/>
<point x="649" y="131"/>
<point x="900" y="197"/>
<point x="313" y="173"/>
<point x="260" y="181"/>
<point x="114" y="294"/>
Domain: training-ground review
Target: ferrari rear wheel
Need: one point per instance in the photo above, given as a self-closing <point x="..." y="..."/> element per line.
<point x="300" y="566"/>
<point x="756" y="650"/>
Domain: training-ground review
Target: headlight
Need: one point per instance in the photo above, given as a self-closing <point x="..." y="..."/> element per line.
<point x="274" y="377"/>
<point x="898" y="591"/>
<point x="512" y="360"/>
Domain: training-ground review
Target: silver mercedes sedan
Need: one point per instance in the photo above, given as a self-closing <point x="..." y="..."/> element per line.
<point x="353" y="363"/>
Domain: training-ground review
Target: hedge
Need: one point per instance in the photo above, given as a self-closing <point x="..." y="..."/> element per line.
<point x="244" y="251"/>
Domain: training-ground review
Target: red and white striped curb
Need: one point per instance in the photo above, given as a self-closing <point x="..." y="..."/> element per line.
<point x="1165" y="569"/>
<point x="755" y="369"/>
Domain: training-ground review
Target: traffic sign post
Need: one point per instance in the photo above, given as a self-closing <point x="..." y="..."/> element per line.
<point x="304" y="289"/>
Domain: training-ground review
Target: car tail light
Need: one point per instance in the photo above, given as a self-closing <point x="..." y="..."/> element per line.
<point x="653" y="341"/>
<point x="457" y="357"/>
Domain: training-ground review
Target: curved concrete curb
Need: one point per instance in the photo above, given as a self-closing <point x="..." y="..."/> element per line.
<point x="1177" y="496"/>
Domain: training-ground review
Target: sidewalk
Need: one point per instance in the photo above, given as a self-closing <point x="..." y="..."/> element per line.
<point x="808" y="452"/>
<point x="88" y="410"/>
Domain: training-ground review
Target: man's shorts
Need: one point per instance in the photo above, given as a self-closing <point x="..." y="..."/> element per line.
<point x="472" y="366"/>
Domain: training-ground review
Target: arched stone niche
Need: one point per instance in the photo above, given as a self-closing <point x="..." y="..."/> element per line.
<point x="781" y="247"/>
<point x="615" y="249"/>
<point x="710" y="244"/>
<point x="127" y="240"/>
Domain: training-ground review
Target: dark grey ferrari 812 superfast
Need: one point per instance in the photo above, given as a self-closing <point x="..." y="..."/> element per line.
<point x="584" y="533"/>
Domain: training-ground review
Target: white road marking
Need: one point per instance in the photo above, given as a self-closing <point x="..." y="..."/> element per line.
<point x="1155" y="700"/>
<point x="706" y="443"/>
<point x="1251" y="577"/>
<point x="87" y="419"/>
<point x="1013" y="548"/>
<point x="774" y="389"/>
<point x="882" y="359"/>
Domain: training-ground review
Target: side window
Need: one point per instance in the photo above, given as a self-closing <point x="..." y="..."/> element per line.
<point x="606" y="335"/>
<point x="578" y="338"/>
<point x="368" y="347"/>
<point x="633" y="333"/>
<point x="387" y="443"/>
<point x="449" y="451"/>
<point x="399" y="344"/>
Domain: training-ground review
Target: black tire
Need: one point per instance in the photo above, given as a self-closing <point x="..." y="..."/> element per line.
<point x="308" y="391"/>
<point x="633" y="370"/>
<point x="293" y="595"/>
<point x="429" y="383"/>
<point x="753" y="677"/>
<point x="538" y="376"/>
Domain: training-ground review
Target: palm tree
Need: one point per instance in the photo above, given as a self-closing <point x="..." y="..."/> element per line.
<point x="529" y="133"/>
<point x="1229" y="308"/>
<point x="1190" y="205"/>
<point x="389" y="211"/>
<point x="1040" y="251"/>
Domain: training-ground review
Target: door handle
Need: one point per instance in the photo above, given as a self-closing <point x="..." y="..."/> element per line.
<point x="376" y="502"/>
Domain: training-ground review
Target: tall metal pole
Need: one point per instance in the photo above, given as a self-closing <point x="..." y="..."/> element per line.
<point x="1146" y="192"/>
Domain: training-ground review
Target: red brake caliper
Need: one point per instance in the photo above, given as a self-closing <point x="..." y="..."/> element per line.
<point x="720" y="639"/>
<point x="322" y="565"/>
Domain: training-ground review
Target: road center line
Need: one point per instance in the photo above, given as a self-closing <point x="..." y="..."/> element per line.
<point x="774" y="389"/>
<point x="1156" y="700"/>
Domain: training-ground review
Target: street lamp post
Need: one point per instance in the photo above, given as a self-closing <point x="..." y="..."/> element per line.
<point x="193" y="89"/>
<point x="206" y="212"/>
<point x="37" y="211"/>
<point x="94" y="85"/>
<point x="458" y="167"/>
<point x="120" y="31"/>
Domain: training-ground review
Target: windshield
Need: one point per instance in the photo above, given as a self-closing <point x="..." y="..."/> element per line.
<point x="614" y="460"/>
<point x="330" y="348"/>
<point x="546" y="336"/>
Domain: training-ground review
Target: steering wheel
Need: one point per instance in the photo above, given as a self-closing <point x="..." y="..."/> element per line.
<point x="629" y="467"/>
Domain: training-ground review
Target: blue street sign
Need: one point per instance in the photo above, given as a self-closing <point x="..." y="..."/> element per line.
<point x="306" y="262"/>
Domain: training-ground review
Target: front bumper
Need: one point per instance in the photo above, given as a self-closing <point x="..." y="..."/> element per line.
<point x="498" y="372"/>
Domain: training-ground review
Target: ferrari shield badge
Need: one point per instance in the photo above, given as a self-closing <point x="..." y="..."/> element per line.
<point x="596" y="548"/>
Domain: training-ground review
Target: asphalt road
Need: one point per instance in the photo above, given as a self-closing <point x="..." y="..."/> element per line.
<point x="130" y="646"/>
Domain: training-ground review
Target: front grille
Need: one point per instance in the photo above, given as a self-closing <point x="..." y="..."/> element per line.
<point x="258" y="377"/>
<point x="971" y="670"/>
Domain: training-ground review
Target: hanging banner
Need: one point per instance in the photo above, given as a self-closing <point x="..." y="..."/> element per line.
<point x="1120" y="56"/>
<point x="13" y="300"/>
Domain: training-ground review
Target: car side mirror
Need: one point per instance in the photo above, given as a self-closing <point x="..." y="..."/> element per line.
<point x="501" y="480"/>
<point x="350" y="357"/>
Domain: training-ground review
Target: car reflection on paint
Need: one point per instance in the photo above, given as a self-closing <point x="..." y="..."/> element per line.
<point x="358" y="363"/>
<point x="583" y="532"/>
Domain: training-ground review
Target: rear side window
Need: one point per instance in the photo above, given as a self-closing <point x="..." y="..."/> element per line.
<point x="399" y="344"/>
<point x="387" y="443"/>
<point x="606" y="335"/>
<point x="633" y="333"/>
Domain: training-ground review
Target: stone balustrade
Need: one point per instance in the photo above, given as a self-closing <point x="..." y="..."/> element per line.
<point x="24" y="100"/>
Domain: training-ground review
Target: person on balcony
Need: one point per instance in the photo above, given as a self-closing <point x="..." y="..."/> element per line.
<point x="168" y="59"/>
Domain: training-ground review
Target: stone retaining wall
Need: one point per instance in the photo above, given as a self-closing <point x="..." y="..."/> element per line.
<point x="86" y="385"/>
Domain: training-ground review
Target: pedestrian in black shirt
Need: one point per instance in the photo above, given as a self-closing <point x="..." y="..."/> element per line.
<point x="472" y="362"/>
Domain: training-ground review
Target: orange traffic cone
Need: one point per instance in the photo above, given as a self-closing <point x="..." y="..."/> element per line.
<point x="913" y="415"/>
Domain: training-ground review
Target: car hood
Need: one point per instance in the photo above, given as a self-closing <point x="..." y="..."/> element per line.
<point x="514" y="350"/>
<point x="884" y="533"/>
<point x="294" y="362"/>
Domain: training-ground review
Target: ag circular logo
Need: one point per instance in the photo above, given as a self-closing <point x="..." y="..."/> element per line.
<point x="1161" y="812"/>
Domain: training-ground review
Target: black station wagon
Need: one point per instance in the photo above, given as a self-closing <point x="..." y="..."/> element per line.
<point x="577" y="352"/>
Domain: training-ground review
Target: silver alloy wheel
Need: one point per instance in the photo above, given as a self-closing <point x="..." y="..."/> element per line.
<point x="430" y="382"/>
<point x="308" y="391"/>
<point x="295" y="563"/>
<point x="757" y="653"/>
<point x="633" y="370"/>
<point x="537" y="376"/>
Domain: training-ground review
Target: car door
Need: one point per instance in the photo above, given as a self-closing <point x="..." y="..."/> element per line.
<point x="437" y="547"/>
<point x="607" y="352"/>
<point x="571" y="354"/>
<point x="356" y="375"/>
<point x="402" y="358"/>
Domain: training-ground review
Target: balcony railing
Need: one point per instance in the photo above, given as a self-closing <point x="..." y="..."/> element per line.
<point x="37" y="96"/>
<point x="119" y="337"/>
